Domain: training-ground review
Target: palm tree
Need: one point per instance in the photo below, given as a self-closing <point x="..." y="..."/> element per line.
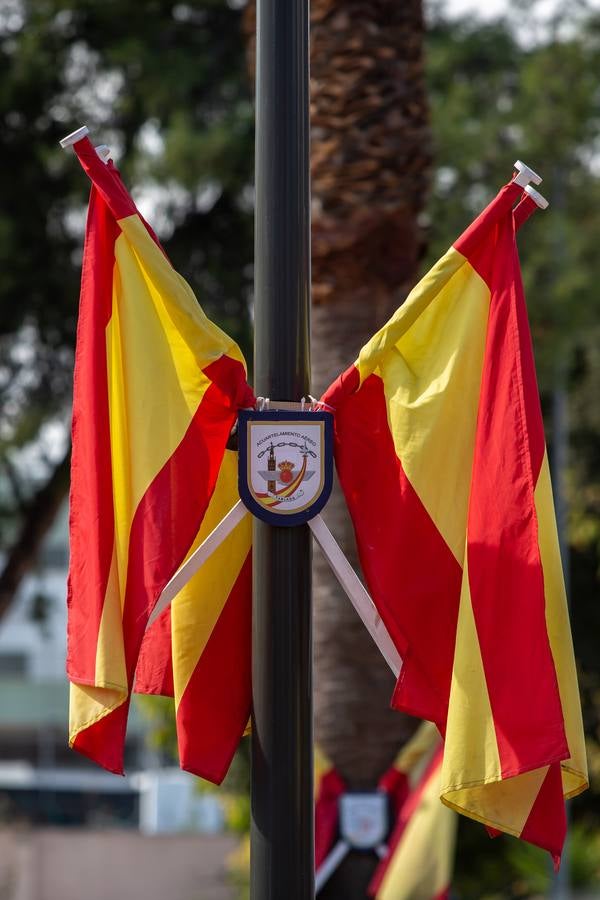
<point x="370" y="163"/>
<point x="370" y="167"/>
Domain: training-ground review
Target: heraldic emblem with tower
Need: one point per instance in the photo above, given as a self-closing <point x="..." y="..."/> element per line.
<point x="285" y="469"/>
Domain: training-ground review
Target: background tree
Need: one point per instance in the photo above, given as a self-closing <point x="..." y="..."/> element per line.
<point x="167" y="90"/>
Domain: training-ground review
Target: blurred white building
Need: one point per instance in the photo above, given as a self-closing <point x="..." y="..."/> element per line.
<point x="41" y="780"/>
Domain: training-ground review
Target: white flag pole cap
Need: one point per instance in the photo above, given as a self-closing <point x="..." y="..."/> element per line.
<point x="74" y="137"/>
<point x="537" y="198"/>
<point x="526" y="175"/>
<point x="103" y="151"/>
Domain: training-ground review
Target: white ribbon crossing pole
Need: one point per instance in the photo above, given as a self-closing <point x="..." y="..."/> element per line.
<point x="330" y="864"/>
<point x="342" y="569"/>
<point x="198" y="558"/>
<point x="357" y="594"/>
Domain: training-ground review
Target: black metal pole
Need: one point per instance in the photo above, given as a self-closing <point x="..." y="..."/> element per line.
<point x="282" y="852"/>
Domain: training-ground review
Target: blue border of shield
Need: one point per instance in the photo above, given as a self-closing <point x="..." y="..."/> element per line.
<point x="257" y="509"/>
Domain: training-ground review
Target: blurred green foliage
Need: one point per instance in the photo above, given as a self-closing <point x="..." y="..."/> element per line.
<point x="165" y="85"/>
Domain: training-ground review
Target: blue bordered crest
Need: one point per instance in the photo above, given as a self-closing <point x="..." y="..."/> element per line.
<point x="285" y="464"/>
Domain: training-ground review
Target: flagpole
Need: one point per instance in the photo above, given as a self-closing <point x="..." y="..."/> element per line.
<point x="561" y="880"/>
<point x="282" y="851"/>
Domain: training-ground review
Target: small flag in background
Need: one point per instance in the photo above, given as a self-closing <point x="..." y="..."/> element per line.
<point x="420" y="855"/>
<point x="455" y="528"/>
<point x="156" y="392"/>
<point x="420" y="858"/>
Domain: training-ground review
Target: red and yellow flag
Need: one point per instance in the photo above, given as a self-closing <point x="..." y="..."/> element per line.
<point x="420" y="856"/>
<point x="420" y="847"/>
<point x="440" y="451"/>
<point x="156" y="391"/>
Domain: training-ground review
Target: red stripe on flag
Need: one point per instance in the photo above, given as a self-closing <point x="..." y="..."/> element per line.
<point x="331" y="788"/>
<point x="531" y="395"/>
<point x="91" y="508"/>
<point x="229" y="376"/>
<point x="164" y="526"/>
<point x="154" y="670"/>
<point x="477" y="243"/>
<point x="169" y="514"/>
<point x="215" y="707"/>
<point x="103" y="741"/>
<point x="396" y="786"/>
<point x="413" y="577"/>
<point x="546" y="825"/>
<point x="106" y="179"/>
<point x="524" y="210"/>
<point x="505" y="572"/>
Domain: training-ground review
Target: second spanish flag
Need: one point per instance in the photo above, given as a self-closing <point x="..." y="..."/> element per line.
<point x="441" y="455"/>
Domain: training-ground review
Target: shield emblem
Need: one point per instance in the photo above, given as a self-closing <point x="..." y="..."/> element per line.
<point x="364" y="819"/>
<point x="285" y="464"/>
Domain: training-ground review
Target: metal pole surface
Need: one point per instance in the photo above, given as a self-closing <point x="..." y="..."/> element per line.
<point x="282" y="850"/>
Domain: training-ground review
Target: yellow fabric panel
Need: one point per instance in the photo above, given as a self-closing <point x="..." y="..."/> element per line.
<point x="88" y="704"/>
<point x="574" y="770"/>
<point x="421" y="867"/>
<point x="432" y="379"/>
<point x="471" y="751"/>
<point x="176" y="302"/>
<point x="110" y="652"/>
<point x="155" y="386"/>
<point x="158" y="341"/>
<point x="408" y="312"/>
<point x="196" y="608"/>
<point x="504" y="805"/>
<point x="471" y="772"/>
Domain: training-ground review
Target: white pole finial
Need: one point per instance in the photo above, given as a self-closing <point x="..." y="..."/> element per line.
<point x="526" y="175"/>
<point x="75" y="136"/>
<point x="537" y="198"/>
<point x="103" y="151"/>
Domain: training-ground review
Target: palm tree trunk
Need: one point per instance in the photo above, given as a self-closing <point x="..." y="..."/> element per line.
<point x="370" y="173"/>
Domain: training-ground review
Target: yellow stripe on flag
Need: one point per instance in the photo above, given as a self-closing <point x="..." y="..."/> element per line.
<point x="432" y="383"/>
<point x="574" y="769"/>
<point x="421" y="867"/>
<point x="195" y="610"/>
<point x="407" y="314"/>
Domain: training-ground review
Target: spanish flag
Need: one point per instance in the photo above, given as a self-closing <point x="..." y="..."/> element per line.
<point x="157" y="387"/>
<point x="420" y="856"/>
<point x="441" y="455"/>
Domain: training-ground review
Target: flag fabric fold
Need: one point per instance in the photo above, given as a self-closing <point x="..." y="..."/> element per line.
<point x="456" y="535"/>
<point x="157" y="387"/>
